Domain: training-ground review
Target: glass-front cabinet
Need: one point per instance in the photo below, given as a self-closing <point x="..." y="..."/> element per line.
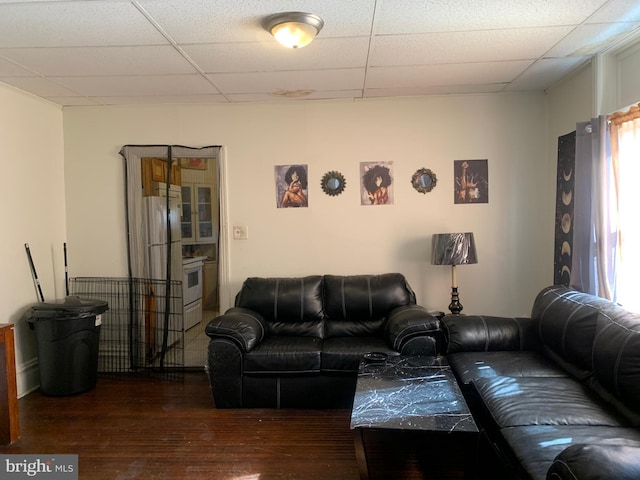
<point x="198" y="215"/>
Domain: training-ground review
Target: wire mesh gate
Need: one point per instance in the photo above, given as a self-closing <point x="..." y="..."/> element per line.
<point x="143" y="330"/>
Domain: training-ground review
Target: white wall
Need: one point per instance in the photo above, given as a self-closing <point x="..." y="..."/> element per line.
<point x="514" y="231"/>
<point x="33" y="212"/>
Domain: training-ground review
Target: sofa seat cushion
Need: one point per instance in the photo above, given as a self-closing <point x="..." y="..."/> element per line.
<point x="513" y="402"/>
<point x="471" y="365"/>
<point x="535" y="447"/>
<point x="343" y="354"/>
<point x="284" y="354"/>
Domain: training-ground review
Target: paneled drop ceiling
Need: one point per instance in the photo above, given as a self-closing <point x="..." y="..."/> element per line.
<point x="95" y="52"/>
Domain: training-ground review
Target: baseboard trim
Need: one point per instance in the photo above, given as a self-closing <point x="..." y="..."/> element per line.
<point x="27" y="377"/>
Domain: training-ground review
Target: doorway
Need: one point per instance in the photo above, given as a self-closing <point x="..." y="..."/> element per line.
<point x="179" y="240"/>
<point x="200" y="233"/>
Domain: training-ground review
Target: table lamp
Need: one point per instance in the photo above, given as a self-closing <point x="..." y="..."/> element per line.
<point x="453" y="249"/>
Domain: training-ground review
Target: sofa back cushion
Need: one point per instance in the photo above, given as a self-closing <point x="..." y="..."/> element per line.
<point x="567" y="320"/>
<point x="359" y="304"/>
<point x="291" y="306"/>
<point x="616" y="360"/>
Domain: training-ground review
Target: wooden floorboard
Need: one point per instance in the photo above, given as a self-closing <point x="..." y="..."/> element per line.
<point x="141" y="427"/>
<point x="132" y="427"/>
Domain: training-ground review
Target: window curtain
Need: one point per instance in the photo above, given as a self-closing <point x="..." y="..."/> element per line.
<point x="594" y="250"/>
<point x="625" y="154"/>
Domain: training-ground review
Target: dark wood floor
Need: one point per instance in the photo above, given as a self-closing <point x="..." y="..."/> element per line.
<point x="134" y="427"/>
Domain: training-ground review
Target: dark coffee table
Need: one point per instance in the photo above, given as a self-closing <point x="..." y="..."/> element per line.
<point x="411" y="405"/>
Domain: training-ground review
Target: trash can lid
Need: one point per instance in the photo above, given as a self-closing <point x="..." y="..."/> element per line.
<point x="71" y="306"/>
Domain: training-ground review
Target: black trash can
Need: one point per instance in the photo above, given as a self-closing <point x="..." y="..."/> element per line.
<point x="68" y="336"/>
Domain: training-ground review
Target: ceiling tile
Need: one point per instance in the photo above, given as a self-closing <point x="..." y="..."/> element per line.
<point x="272" y="82"/>
<point x="434" y="90"/>
<point x="590" y="39"/>
<point x="74" y="101"/>
<point x="136" y="60"/>
<point x="137" y="85"/>
<point x="436" y="75"/>
<point x="38" y="86"/>
<point x="454" y="47"/>
<point x="266" y="97"/>
<point x="545" y="72"/>
<point x="202" y="21"/>
<point x="410" y="16"/>
<point x="617" y="11"/>
<point x="80" y="23"/>
<point x="164" y="99"/>
<point x="79" y="52"/>
<point x="10" y="69"/>
<point x="257" y="57"/>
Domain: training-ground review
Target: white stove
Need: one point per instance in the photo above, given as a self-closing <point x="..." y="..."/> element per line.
<point x="192" y="290"/>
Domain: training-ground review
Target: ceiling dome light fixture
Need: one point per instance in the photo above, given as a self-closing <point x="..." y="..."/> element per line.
<point x="294" y="29"/>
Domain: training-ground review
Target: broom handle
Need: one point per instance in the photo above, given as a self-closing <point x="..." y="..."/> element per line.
<point x="33" y="272"/>
<point x="66" y="270"/>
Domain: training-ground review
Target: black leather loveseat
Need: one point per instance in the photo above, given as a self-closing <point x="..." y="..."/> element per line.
<point x="297" y="342"/>
<point x="557" y="394"/>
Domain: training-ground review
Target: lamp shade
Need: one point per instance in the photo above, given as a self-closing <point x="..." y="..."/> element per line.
<point x="453" y="249"/>
<point x="294" y="29"/>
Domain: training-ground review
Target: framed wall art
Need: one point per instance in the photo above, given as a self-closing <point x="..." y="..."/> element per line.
<point x="291" y="186"/>
<point x="377" y="183"/>
<point x="471" y="181"/>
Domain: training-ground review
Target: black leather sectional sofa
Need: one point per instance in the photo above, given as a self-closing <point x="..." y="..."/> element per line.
<point x="297" y="342"/>
<point x="557" y="394"/>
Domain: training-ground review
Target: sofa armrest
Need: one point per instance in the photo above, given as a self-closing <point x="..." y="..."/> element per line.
<point x="241" y="325"/>
<point x="410" y="329"/>
<point x="479" y="333"/>
<point x="591" y="462"/>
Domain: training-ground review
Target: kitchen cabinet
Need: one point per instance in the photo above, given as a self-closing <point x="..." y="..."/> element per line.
<point x="210" y="292"/>
<point x="154" y="171"/>
<point x="198" y="221"/>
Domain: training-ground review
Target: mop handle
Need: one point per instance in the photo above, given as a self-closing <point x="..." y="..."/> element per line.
<point x="66" y="270"/>
<point x="33" y="272"/>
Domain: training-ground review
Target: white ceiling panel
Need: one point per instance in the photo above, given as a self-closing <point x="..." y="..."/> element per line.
<point x="74" y="101"/>
<point x="10" y="69"/>
<point x="161" y="99"/>
<point x="545" y="72"/>
<point x="39" y="86"/>
<point x="617" y="11"/>
<point x="272" y="82"/>
<point x="205" y="21"/>
<point x="136" y="60"/>
<point x="433" y="90"/>
<point x="260" y="57"/>
<point x="458" y="47"/>
<point x="440" y="75"/>
<point x="83" y="52"/>
<point x="80" y="23"/>
<point x="590" y="39"/>
<point x="267" y="98"/>
<point x="411" y="16"/>
<point x="137" y="85"/>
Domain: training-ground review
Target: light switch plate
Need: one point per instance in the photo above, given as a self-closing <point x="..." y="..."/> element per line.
<point x="240" y="232"/>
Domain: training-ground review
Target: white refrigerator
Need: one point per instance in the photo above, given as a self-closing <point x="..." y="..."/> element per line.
<point x="155" y="208"/>
<point x="157" y="247"/>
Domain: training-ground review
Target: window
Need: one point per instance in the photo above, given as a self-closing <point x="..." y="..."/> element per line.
<point x="625" y="157"/>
